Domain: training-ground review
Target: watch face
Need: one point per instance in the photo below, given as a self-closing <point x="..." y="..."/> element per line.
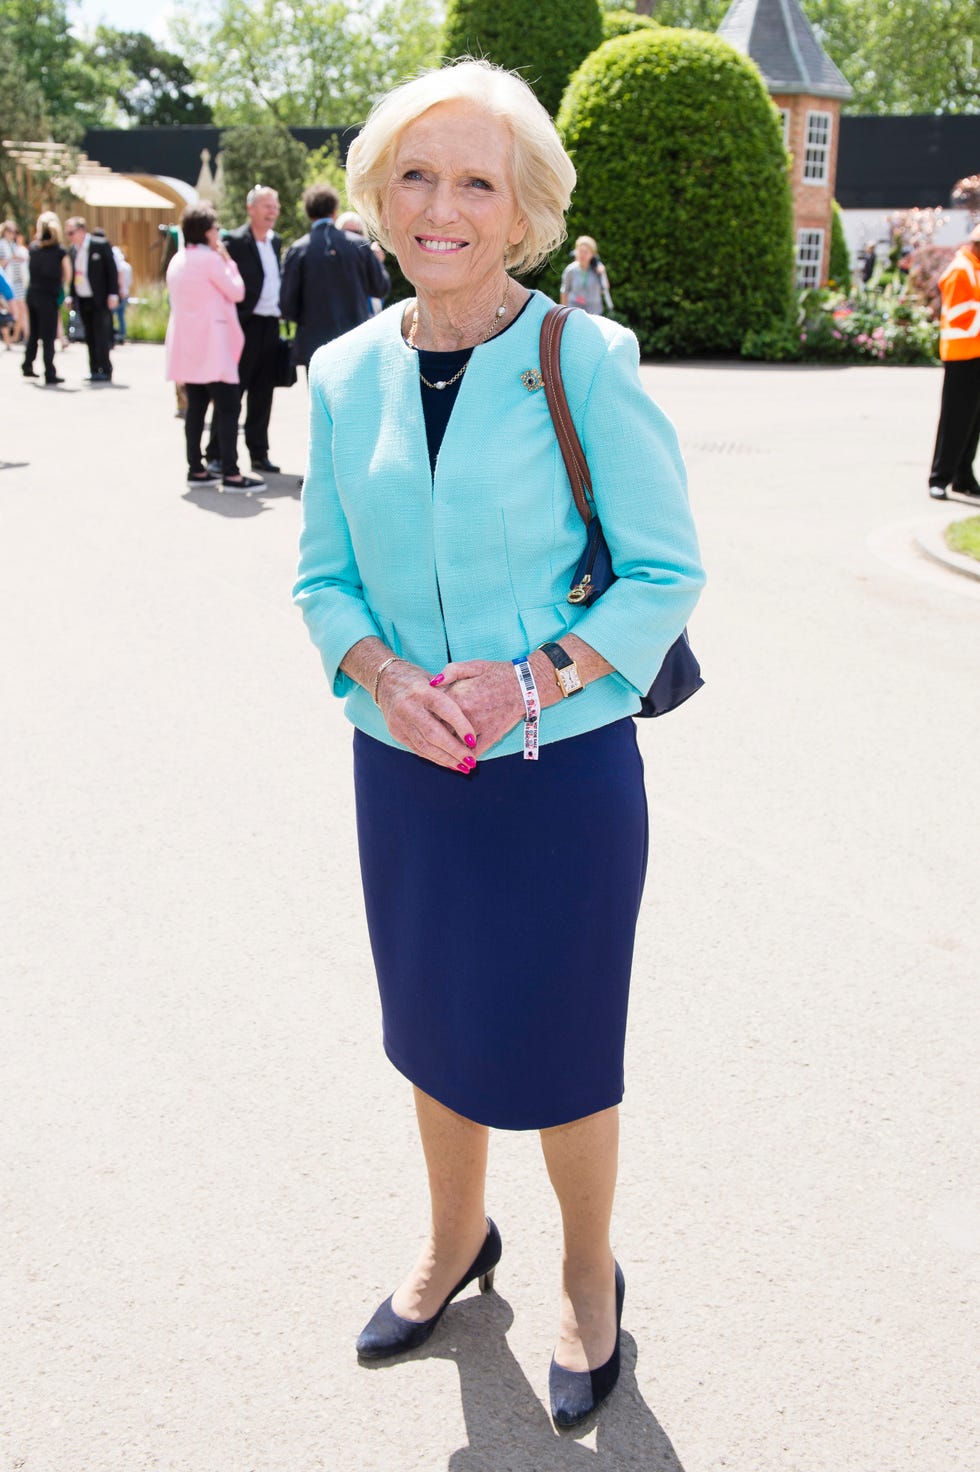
<point x="568" y="680"/>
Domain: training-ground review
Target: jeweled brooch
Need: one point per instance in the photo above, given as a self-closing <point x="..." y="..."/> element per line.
<point x="531" y="379"/>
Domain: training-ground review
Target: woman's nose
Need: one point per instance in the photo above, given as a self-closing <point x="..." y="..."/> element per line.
<point x="441" y="204"/>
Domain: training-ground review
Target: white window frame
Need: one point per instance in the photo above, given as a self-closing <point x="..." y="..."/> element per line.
<point x="816" y="149"/>
<point x="784" y="118"/>
<point x="809" y="258"/>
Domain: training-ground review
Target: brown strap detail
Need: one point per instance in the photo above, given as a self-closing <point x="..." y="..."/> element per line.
<point x="569" y="443"/>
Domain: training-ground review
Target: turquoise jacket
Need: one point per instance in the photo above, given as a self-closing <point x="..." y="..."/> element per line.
<point x="476" y="561"/>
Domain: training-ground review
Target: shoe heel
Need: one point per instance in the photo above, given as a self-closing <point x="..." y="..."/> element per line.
<point x="486" y="1281"/>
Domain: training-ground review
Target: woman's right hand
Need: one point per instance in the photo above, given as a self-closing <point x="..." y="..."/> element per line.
<point x="424" y="718"/>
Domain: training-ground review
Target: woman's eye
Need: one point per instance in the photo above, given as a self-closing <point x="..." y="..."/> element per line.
<point x="481" y="184"/>
<point x="412" y="174"/>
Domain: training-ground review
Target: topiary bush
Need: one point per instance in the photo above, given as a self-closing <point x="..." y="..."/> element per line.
<point x="545" y="43"/>
<point x="624" y="22"/>
<point x="839" y="265"/>
<point x="682" y="179"/>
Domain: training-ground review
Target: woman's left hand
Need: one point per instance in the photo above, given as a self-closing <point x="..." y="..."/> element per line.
<point x="486" y="690"/>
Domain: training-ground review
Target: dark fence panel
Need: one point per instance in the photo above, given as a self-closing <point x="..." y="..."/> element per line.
<point x="176" y="152"/>
<point x="883" y="163"/>
<point x="904" y="163"/>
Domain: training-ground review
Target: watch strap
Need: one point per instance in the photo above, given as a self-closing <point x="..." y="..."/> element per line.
<point x="559" y="657"/>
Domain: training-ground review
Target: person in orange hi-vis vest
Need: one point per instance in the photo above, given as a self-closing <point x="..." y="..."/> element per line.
<point x="959" y="348"/>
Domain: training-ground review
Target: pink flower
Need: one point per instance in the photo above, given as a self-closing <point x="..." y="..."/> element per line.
<point x="837" y="334"/>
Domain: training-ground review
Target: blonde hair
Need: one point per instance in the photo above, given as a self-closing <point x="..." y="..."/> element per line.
<point x="543" y="175"/>
<point x="587" y="240"/>
<point x="48" y="222"/>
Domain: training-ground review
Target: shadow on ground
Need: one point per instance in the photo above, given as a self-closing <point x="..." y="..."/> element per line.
<point x="507" y="1425"/>
<point x="237" y="505"/>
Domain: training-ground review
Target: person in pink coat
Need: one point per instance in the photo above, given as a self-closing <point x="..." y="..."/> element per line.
<point x="204" y="343"/>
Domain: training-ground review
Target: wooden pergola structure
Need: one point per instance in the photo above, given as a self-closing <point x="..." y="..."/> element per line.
<point x="126" y="208"/>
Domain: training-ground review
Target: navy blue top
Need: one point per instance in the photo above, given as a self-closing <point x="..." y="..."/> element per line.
<point x="437" y="403"/>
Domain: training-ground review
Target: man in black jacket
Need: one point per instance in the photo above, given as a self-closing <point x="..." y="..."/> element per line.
<point x="255" y="248"/>
<point x="94" y="294"/>
<point x="328" y="277"/>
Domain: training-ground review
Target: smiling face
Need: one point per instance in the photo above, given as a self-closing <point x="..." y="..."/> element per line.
<point x="450" y="207"/>
<point x="263" y="213"/>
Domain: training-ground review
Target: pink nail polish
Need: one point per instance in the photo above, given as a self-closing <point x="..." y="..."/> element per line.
<point x="470" y="740"/>
<point x="462" y="767"/>
<point x="438" y="680"/>
<point x="470" y="761"/>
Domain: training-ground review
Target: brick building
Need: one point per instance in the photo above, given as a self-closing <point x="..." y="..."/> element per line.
<point x="808" y="90"/>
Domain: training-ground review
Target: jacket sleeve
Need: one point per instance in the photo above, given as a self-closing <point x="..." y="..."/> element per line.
<point x="290" y="293"/>
<point x="226" y="277"/>
<point x="328" y="588"/>
<point x="640" y="490"/>
<point x="111" y="272"/>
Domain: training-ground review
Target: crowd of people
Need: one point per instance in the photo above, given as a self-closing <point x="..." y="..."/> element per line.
<point x="64" y="265"/>
<point x="228" y="291"/>
<point x="228" y="295"/>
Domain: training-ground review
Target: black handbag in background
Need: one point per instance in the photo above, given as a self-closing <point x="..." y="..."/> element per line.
<point x="680" y="674"/>
<point x="285" y="364"/>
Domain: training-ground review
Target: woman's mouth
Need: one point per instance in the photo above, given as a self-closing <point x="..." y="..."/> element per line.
<point x="439" y="247"/>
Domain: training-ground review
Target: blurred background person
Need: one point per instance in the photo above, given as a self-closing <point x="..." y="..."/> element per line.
<point x="328" y="277"/>
<point x="256" y="249"/>
<point x="48" y="275"/>
<point x="125" y="272"/>
<point x="204" y="343"/>
<point x="94" y="294"/>
<point x="584" y="282"/>
<point x="13" y="263"/>
<point x="354" y="225"/>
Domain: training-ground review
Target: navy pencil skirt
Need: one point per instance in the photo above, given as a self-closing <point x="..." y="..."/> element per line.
<point x="502" y="910"/>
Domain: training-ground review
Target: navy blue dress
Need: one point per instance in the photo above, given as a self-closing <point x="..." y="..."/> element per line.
<point x="502" y="909"/>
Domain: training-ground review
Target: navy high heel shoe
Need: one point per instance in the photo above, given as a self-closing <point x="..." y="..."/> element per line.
<point x="575" y="1394"/>
<point x="387" y="1333"/>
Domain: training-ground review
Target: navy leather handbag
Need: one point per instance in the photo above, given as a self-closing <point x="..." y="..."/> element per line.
<point x="679" y="676"/>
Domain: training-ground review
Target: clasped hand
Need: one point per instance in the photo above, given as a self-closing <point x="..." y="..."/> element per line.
<point x="477" y="699"/>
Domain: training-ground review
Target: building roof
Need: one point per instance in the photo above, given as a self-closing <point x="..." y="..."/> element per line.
<point x="780" y="40"/>
<point x="111" y="191"/>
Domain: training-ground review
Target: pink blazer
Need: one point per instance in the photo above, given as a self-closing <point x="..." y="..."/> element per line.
<point x="204" y="336"/>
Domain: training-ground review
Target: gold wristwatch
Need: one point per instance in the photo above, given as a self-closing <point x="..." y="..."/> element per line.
<point x="567" y="677"/>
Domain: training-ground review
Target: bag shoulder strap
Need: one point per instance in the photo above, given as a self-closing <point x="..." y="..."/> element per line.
<point x="568" y="441"/>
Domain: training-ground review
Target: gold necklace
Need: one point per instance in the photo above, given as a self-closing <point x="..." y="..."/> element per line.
<point x="448" y="382"/>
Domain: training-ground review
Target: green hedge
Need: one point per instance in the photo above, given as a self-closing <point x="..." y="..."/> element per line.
<point x="624" y="22"/>
<point x="839" y="266"/>
<point x="545" y="43"/>
<point x="682" y="179"/>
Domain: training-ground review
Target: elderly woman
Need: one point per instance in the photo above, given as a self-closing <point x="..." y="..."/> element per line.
<point x="204" y="343"/>
<point x="439" y="541"/>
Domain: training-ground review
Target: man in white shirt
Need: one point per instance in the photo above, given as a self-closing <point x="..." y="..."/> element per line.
<point x="255" y="248"/>
<point x="94" y="294"/>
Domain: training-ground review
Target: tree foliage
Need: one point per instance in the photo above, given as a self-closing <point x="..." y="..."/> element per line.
<point x="36" y="33"/>
<point x="682" y="179"/>
<point x="545" y="43"/>
<point x="24" y="119"/>
<point x="904" y="56"/>
<point x="150" y="86"/>
<point x="900" y="56"/>
<point x="262" y="153"/>
<point x="303" y="62"/>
